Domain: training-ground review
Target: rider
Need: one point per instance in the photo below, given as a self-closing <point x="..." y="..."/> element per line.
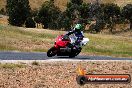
<point x="78" y="33"/>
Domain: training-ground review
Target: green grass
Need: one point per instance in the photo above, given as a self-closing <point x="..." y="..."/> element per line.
<point x="109" y="45"/>
<point x="6" y="47"/>
<point x="14" y="38"/>
<point x="11" y="66"/>
<point x="40" y="50"/>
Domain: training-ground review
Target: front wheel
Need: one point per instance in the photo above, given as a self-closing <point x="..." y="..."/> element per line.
<point x="52" y="52"/>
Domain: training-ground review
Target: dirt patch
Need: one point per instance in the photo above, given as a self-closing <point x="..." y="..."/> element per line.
<point x="60" y="74"/>
<point x="3" y="19"/>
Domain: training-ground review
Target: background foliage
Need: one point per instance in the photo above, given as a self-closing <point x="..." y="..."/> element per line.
<point x="77" y="11"/>
<point x="18" y="11"/>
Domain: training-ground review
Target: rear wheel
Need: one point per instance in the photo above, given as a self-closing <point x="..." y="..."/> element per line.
<point x="52" y="52"/>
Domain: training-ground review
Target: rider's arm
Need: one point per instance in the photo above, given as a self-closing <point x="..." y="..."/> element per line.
<point x="82" y="34"/>
<point x="70" y="32"/>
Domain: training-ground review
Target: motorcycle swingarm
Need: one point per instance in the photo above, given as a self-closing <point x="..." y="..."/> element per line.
<point x="68" y="50"/>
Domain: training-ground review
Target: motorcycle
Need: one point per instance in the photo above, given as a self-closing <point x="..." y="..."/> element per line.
<point x="65" y="46"/>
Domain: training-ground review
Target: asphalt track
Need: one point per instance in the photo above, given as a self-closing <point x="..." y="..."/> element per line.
<point x="42" y="56"/>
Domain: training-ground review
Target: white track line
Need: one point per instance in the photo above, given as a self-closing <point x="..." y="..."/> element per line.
<point x="58" y="60"/>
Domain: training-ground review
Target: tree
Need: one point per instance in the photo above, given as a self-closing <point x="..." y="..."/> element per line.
<point x="85" y="10"/>
<point x="37" y="20"/>
<point x="73" y="11"/>
<point x="49" y="14"/>
<point x="95" y="10"/>
<point x="78" y="2"/>
<point x="111" y="10"/>
<point x="127" y="13"/>
<point x="34" y="12"/>
<point x="30" y="23"/>
<point x="64" y="21"/>
<point x="111" y="13"/>
<point x="2" y="11"/>
<point x="18" y="11"/>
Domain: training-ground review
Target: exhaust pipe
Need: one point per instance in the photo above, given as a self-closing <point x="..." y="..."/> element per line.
<point x="65" y="49"/>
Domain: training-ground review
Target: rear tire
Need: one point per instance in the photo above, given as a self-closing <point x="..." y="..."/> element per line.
<point x="52" y="52"/>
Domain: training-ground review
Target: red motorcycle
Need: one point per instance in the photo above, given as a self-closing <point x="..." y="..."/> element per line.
<point x="64" y="46"/>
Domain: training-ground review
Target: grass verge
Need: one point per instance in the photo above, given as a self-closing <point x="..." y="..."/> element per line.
<point x="11" y="66"/>
<point x="40" y="40"/>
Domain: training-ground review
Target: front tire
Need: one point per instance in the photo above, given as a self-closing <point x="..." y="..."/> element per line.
<point x="52" y="52"/>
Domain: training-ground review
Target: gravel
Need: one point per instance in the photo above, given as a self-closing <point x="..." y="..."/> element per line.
<point x="61" y="74"/>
